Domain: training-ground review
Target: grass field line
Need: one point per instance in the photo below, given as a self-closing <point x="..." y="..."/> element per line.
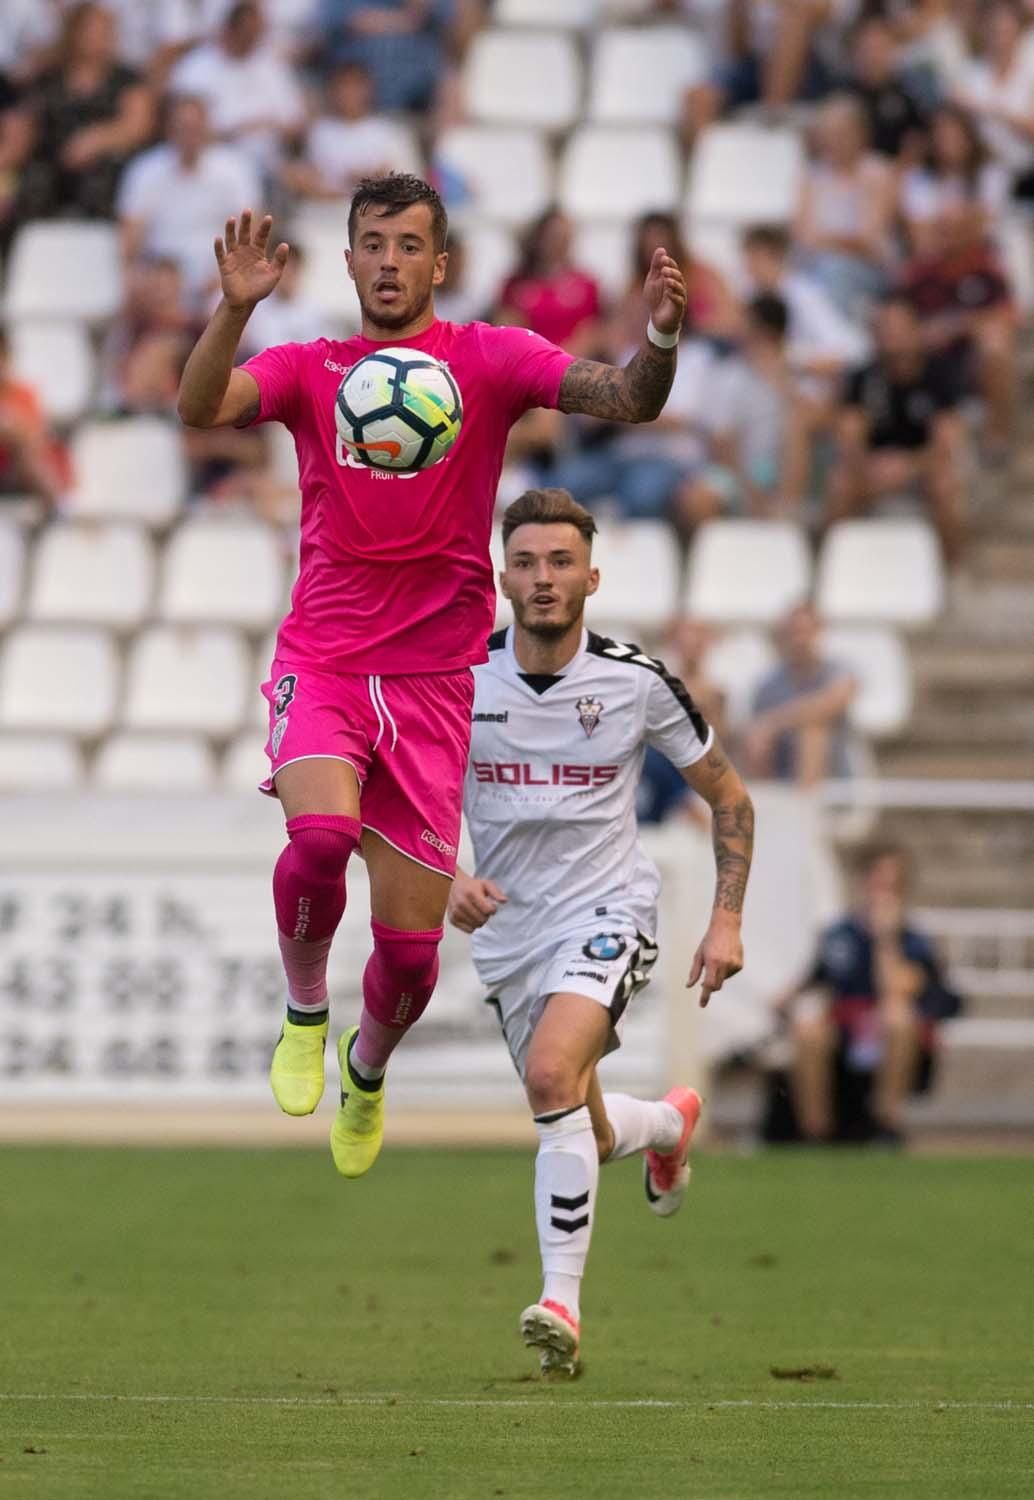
<point x="387" y="1399"/>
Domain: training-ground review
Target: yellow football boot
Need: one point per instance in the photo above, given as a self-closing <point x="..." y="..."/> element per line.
<point x="296" y="1073"/>
<point x="358" y="1129"/>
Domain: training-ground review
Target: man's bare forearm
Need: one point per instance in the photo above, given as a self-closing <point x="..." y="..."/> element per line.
<point x="636" y="393"/>
<point x="206" y="375"/>
<point x="732" y="833"/>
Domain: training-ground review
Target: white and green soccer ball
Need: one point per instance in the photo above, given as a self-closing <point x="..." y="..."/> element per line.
<point x="398" y="409"/>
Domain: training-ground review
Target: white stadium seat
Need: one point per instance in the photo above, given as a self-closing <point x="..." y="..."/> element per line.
<point x="639" y="566"/>
<point x="640" y="74"/>
<point x="222" y="571"/>
<point x="505" y="173"/>
<point x="605" y="251"/>
<point x="617" y="173"/>
<point x="189" y="679"/>
<point x="60" y="679"/>
<point x="57" y="361"/>
<point x="746" y="572"/>
<point x="321" y="233"/>
<point x="12" y="569"/>
<point x="100" y="573"/>
<point x="154" y="763"/>
<point x="736" y="664"/>
<point x="131" y="469"/>
<point x="745" y="174"/>
<point x="523" y="78"/>
<point x="880" y="570"/>
<point x="39" y="763"/>
<point x="559" y="15"/>
<point x="64" y="268"/>
<point x="245" y="764"/>
<point x="879" y="660"/>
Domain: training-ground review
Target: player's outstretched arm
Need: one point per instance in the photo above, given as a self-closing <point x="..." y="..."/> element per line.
<point x="720" y="955"/>
<point x="473" y="901"/>
<point x="637" y="392"/>
<point x="212" y="393"/>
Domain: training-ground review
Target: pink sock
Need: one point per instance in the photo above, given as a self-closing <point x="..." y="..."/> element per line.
<point x="309" y="897"/>
<point x="398" y="982"/>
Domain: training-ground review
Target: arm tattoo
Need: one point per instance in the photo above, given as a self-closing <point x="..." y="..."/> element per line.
<point x="636" y="393"/>
<point x="732" y="832"/>
<point x="249" y="414"/>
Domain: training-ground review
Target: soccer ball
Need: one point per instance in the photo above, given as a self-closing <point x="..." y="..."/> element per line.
<point x="398" y="409"/>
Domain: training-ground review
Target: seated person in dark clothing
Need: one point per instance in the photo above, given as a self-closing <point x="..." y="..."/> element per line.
<point x="864" y="1021"/>
<point x="899" y="428"/>
<point x="896" y="121"/>
<point x="89" y="114"/>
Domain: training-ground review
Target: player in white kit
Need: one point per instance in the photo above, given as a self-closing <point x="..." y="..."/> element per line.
<point x="563" y="903"/>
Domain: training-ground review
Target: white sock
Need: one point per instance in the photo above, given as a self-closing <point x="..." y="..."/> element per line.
<point x="642" y="1125"/>
<point x="567" y="1170"/>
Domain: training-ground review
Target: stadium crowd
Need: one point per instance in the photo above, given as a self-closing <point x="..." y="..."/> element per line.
<point x="857" y="356"/>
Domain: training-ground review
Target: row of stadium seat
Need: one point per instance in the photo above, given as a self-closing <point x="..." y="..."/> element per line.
<point x="177" y="690"/>
<point x="232" y="570"/>
<point x="605" y="175"/>
<point x="131" y="762"/>
<point x="635" y="75"/>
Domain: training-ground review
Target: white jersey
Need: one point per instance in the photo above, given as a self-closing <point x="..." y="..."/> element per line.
<point x="550" y="792"/>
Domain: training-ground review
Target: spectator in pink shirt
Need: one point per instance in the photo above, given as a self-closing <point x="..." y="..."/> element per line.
<point x="548" y="292"/>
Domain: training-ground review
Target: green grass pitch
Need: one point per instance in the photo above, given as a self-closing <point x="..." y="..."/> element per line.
<point x="273" y="1331"/>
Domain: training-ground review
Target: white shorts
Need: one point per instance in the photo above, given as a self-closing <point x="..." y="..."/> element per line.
<point x="609" y="967"/>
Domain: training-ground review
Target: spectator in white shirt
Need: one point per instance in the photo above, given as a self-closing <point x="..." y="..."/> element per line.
<point x="347" y="142"/>
<point x="821" y="341"/>
<point x="998" y="90"/>
<point x="174" y="198"/>
<point x="252" y="95"/>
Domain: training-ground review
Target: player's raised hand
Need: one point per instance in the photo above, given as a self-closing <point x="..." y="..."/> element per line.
<point x="473" y="901"/>
<point x="718" y="958"/>
<point x="247" y="273"/>
<point x="665" y="292"/>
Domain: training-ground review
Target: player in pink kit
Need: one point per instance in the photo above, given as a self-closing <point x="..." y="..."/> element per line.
<point x="370" y="692"/>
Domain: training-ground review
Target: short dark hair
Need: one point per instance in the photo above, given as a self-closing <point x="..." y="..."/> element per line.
<point x="392" y="193"/>
<point x="873" y="852"/>
<point x="547" y="508"/>
<point x="767" y="237"/>
<point x="769" y="313"/>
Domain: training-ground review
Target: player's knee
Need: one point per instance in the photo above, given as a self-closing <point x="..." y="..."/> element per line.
<point x="410" y="957"/>
<point x="322" y="846"/>
<point x="551" y="1083"/>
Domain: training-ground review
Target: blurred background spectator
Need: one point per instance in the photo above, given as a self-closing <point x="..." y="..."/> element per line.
<point x="847" y="208"/>
<point x="347" y="140"/>
<point x="253" y="95"/>
<point x="548" y="293"/>
<point x="899" y="429"/>
<point x="32" y="462"/>
<point x="172" y="194"/>
<point x="146" y="347"/>
<point x="864" y="1021"/>
<point x="88" y="114"/>
<point x="798" y="726"/>
<point x="403" y="44"/>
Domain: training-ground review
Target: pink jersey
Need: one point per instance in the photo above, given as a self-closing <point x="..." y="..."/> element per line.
<point x="395" y="575"/>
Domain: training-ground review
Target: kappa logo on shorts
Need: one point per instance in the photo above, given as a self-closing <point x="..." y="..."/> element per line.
<point x="588" y="711"/>
<point x="283" y="693"/>
<point x="605" y="947"/>
<point x="427" y="837"/>
<point x="279" y="730"/>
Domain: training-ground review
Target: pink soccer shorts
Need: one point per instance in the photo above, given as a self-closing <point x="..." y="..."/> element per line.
<point x="406" y="738"/>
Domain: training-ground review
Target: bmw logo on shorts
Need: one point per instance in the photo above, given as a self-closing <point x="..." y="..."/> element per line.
<point x="605" y="947"/>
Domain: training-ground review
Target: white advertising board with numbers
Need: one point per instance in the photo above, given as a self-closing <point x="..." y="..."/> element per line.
<point x="144" y="971"/>
<point x="138" y="957"/>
